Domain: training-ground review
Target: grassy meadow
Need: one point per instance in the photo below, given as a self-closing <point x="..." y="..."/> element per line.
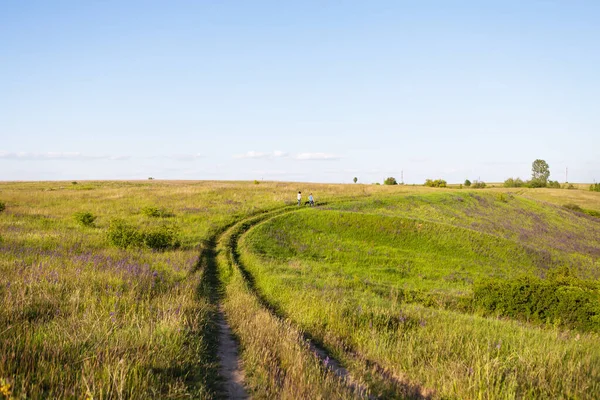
<point x="123" y="305"/>
<point x="391" y="278"/>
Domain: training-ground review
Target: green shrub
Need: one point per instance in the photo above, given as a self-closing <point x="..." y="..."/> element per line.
<point x="123" y="235"/>
<point x="85" y="218"/>
<point x="156" y="212"/>
<point x="256" y="182"/>
<point x="2" y="206"/>
<point x="467" y="183"/>
<point x="436" y="183"/>
<point x="593" y="213"/>
<point x="478" y="184"/>
<point x="390" y="181"/>
<point x="560" y="300"/>
<point x="573" y="207"/>
<point x="553" y="184"/>
<point x="510" y="182"/>
<point x="161" y="238"/>
<point x="536" y="183"/>
<point x="595" y="187"/>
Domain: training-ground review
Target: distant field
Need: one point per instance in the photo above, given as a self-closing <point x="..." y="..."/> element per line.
<point x="387" y="279"/>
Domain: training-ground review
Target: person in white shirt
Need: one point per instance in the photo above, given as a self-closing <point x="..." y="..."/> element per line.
<point x="299" y="198"/>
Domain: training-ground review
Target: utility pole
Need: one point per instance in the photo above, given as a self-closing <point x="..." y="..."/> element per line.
<point x="567" y="175"/>
<point x="402" y="177"/>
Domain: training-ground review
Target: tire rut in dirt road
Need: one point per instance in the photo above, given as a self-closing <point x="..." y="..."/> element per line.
<point x="230" y="367"/>
<point x="230" y="370"/>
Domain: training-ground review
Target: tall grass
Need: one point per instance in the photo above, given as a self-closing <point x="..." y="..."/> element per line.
<point x="344" y="277"/>
<point x="81" y="317"/>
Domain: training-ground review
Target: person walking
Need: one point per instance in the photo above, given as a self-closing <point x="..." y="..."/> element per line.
<point x="311" y="200"/>
<point x="299" y="197"/>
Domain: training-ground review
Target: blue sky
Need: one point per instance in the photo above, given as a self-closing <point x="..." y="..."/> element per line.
<point x="299" y="91"/>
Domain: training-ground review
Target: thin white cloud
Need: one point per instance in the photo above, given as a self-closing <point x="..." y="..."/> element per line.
<point x="257" y="154"/>
<point x="186" y="157"/>
<point x="252" y="154"/>
<point x="316" y="156"/>
<point x="279" y="153"/>
<point x="52" y="155"/>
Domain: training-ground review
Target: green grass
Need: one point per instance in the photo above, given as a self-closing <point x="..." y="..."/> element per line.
<point x="390" y="278"/>
<point x="381" y="278"/>
<point x="81" y="317"/>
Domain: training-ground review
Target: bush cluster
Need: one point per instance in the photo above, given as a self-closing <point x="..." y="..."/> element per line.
<point x="533" y="183"/>
<point x="163" y="237"/>
<point x="2" y="206"/>
<point x="124" y="235"/>
<point x="595" y="187"/>
<point x="390" y="181"/>
<point x="553" y="184"/>
<point x="478" y="184"/>
<point x="560" y="300"/>
<point x="511" y="182"/>
<point x="85" y="218"/>
<point x="467" y="183"/>
<point x="435" y="183"/>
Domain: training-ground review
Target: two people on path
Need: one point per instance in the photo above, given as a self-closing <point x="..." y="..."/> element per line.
<point x="311" y="200"/>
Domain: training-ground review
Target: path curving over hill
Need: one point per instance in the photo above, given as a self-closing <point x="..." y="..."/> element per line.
<point x="278" y="358"/>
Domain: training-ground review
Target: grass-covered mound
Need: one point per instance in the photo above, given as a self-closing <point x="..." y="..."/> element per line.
<point x="410" y="282"/>
<point x="390" y="252"/>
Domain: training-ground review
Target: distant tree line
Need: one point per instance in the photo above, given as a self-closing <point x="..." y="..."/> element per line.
<point x="540" y="174"/>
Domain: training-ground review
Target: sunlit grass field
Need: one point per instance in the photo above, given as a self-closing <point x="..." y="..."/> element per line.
<point x="383" y="272"/>
<point x="391" y="278"/>
<point x="80" y="317"/>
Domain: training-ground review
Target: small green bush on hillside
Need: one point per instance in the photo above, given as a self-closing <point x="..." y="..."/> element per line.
<point x="2" y="206"/>
<point x="161" y="238"/>
<point x="593" y="213"/>
<point x="467" y="183"/>
<point x="595" y="187"/>
<point x="435" y="183"/>
<point x="122" y="234"/>
<point x="390" y="181"/>
<point x="156" y="212"/>
<point x="560" y="300"/>
<point x="575" y="207"/>
<point x="85" y="218"/>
